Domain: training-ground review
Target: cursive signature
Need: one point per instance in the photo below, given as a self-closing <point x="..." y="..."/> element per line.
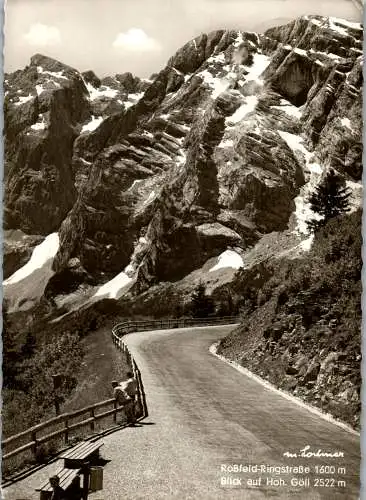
<point x="306" y="452"/>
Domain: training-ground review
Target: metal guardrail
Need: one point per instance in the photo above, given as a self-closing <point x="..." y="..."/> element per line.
<point x="26" y="446"/>
<point x="168" y="324"/>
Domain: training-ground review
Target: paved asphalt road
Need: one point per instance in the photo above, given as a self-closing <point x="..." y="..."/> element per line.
<point x="203" y="416"/>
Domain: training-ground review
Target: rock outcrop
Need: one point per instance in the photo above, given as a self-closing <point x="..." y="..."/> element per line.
<point x="17" y="250"/>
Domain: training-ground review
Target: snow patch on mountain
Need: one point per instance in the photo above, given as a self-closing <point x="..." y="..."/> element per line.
<point x="121" y="283"/>
<point x="313" y="171"/>
<point x="306" y="244"/>
<point x="356" y="198"/>
<point x="295" y="143"/>
<point x="348" y="24"/>
<point x="329" y="55"/>
<point x="23" y="100"/>
<point x="219" y="58"/>
<point x="132" y="99"/>
<point x="239" y="39"/>
<point x="39" y="89"/>
<point x="336" y="24"/>
<point x="303" y="212"/>
<point x="92" y="125"/>
<point x="136" y="97"/>
<point x="346" y="122"/>
<point x="247" y="107"/>
<point x="341" y="25"/>
<point x="85" y="162"/>
<point x="229" y="258"/>
<point x="218" y="85"/>
<point x="54" y="74"/>
<point x="260" y="63"/>
<point x="226" y="143"/>
<point x="302" y="52"/>
<point x="115" y="288"/>
<point x="182" y="157"/>
<point x="134" y="184"/>
<point x="102" y="91"/>
<point x="289" y="109"/>
<point x="150" y="198"/>
<point x="42" y="253"/>
<point x="41" y="125"/>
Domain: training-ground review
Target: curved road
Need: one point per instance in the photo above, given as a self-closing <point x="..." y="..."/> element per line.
<point x="204" y="415"/>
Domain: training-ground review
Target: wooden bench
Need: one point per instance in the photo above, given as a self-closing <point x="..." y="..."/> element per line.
<point x="65" y="475"/>
<point x="77" y="460"/>
<point x="80" y="454"/>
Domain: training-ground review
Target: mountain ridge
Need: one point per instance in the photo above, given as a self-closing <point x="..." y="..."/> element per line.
<point x="216" y="152"/>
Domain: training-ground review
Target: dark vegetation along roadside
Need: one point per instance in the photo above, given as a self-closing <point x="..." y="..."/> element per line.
<point x="87" y="361"/>
<point x="301" y="321"/>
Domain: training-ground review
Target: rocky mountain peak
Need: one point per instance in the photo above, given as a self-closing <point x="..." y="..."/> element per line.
<point x="49" y="64"/>
<point x="153" y="178"/>
<point x="190" y="57"/>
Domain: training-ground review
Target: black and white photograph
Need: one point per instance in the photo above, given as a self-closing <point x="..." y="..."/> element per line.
<point x="182" y="249"/>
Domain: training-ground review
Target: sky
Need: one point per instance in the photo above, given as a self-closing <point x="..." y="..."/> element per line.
<point x="114" y="36"/>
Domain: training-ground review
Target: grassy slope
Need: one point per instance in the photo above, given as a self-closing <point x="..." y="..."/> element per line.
<point x="102" y="363"/>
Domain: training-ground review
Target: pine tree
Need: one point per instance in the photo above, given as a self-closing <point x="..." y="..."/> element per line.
<point x="330" y="199"/>
<point x="202" y="305"/>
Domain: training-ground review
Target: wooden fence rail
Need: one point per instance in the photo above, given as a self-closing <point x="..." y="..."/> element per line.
<point x="64" y="431"/>
<point x="15" y="445"/>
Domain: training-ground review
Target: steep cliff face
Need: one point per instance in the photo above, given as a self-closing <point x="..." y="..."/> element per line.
<point x="43" y="106"/>
<point x="317" y="64"/>
<point x="145" y="180"/>
<point x="47" y="106"/>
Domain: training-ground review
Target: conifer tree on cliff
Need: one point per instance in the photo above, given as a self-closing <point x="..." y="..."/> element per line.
<point x="330" y="199"/>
